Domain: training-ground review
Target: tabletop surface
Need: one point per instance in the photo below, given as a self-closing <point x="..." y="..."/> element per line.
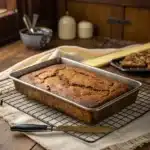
<point x="15" y="52"/>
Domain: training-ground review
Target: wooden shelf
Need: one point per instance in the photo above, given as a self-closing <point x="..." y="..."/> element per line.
<point x="129" y="3"/>
<point x="7" y="13"/>
<point x="8" y="27"/>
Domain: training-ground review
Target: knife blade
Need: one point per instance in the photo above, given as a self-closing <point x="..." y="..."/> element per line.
<point x="84" y="129"/>
<point x="43" y="128"/>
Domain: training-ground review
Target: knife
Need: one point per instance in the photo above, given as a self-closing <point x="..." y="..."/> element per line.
<point x="43" y="128"/>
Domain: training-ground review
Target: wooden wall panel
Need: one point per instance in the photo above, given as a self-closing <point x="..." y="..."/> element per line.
<point x="2" y="4"/>
<point x="48" y="13"/>
<point x="139" y="30"/>
<point x="8" y="28"/>
<point x="98" y="14"/>
<point x="61" y="8"/>
<point x="117" y="29"/>
<point x="11" y="4"/>
<point x="46" y="9"/>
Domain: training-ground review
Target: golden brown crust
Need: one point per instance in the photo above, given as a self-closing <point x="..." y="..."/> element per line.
<point x="77" y="84"/>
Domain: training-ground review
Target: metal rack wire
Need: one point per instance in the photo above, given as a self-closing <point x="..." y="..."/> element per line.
<point x="52" y="117"/>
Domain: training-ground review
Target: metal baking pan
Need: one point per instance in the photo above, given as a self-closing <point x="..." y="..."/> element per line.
<point x="87" y="115"/>
<point x="115" y="63"/>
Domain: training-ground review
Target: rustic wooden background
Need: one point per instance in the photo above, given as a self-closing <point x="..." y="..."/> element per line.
<point x="137" y="12"/>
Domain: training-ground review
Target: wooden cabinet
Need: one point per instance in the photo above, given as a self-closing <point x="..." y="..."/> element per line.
<point x="98" y="14"/>
<point x="11" y="4"/>
<point x="132" y="17"/>
<point x="2" y="4"/>
<point x="46" y="9"/>
<point x="139" y="29"/>
<point x="8" y="21"/>
<point x="8" y="4"/>
<point x="8" y="28"/>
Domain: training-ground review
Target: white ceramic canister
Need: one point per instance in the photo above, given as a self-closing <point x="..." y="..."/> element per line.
<point x="67" y="27"/>
<point x="85" y="30"/>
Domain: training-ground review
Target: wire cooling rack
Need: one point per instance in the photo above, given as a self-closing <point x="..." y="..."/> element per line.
<point x="52" y="117"/>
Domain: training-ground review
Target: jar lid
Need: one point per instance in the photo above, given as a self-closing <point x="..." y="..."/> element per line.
<point x="85" y="24"/>
<point x="67" y="18"/>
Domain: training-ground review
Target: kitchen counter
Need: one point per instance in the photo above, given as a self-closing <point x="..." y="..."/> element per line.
<point x="15" y="52"/>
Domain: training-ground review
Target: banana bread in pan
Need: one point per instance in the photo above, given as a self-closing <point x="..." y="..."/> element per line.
<point x="78" y="85"/>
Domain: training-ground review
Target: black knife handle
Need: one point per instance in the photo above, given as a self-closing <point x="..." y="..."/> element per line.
<point x="28" y="127"/>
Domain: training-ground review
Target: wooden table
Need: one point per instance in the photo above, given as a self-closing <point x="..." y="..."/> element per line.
<point x="15" y="52"/>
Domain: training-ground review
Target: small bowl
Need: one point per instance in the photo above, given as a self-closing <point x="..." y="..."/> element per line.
<point x="39" y="40"/>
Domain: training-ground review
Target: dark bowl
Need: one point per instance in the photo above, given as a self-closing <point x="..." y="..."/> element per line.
<point x="39" y="40"/>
